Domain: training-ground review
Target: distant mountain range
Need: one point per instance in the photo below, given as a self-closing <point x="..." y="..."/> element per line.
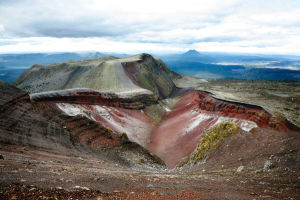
<point x="217" y="57"/>
<point x="193" y="63"/>
<point x="235" y="66"/>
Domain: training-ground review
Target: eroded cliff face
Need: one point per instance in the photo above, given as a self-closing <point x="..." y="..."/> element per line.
<point x="134" y="123"/>
<point x="120" y="112"/>
<point x="129" y="100"/>
<point x="178" y="134"/>
<point x="64" y="129"/>
<point x="242" y="111"/>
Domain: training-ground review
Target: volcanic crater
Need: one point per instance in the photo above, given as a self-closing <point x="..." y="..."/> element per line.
<point x="127" y="117"/>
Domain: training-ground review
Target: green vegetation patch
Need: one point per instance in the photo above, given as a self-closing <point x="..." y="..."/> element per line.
<point x="210" y="140"/>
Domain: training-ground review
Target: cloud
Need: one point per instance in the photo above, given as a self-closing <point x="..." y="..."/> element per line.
<point x="209" y="25"/>
<point x="90" y="18"/>
<point x="51" y="44"/>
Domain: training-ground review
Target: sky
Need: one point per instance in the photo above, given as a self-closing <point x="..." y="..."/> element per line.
<point x="156" y="26"/>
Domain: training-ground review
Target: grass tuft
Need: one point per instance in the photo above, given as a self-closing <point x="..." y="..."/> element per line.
<point x="210" y="140"/>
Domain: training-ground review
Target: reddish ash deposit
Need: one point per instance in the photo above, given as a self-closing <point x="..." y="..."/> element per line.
<point x="178" y="134"/>
<point x="134" y="123"/>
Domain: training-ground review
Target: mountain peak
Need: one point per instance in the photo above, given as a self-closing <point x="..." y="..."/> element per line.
<point x="192" y="52"/>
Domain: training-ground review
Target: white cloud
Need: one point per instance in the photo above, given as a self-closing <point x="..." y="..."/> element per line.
<point x="135" y="26"/>
<point x="50" y="44"/>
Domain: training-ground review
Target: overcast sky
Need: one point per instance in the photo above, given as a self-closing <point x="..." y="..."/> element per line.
<point x="154" y="26"/>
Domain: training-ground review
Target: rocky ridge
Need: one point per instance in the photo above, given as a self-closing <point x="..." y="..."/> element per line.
<point x="140" y="73"/>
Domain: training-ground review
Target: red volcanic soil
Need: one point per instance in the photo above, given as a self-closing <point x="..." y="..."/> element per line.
<point x="179" y="133"/>
<point x="135" y="123"/>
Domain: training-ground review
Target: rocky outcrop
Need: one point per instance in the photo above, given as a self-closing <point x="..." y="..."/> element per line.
<point x="129" y="100"/>
<point x="262" y="117"/>
<point x="152" y="74"/>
